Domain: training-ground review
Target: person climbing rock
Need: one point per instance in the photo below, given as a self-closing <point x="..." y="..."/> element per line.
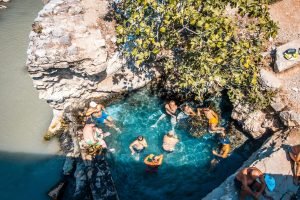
<point x="138" y="145"/>
<point x="169" y="141"/>
<point x="223" y="151"/>
<point x="294" y="153"/>
<point x="153" y="162"/>
<point x="250" y="181"/>
<point x="213" y="119"/>
<point x="98" y="114"/>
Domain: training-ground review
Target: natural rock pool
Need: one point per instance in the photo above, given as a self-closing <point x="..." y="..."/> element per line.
<point x="184" y="173"/>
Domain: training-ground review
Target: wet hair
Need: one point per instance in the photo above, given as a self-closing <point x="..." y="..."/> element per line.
<point x="172" y="101"/>
<point x="140" y="138"/>
<point x="89" y="121"/>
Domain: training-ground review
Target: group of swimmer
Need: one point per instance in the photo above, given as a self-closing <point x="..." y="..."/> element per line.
<point x="249" y="181"/>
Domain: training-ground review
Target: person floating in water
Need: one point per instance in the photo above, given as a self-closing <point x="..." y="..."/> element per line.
<point x="223" y="151"/>
<point x="250" y="181"/>
<point x="153" y="162"/>
<point x="294" y="153"/>
<point x="169" y="142"/>
<point x="171" y="110"/>
<point x="213" y="119"/>
<point x="100" y="116"/>
<point x="138" y="145"/>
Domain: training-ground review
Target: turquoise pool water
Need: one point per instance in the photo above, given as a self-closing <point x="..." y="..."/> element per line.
<point x="184" y="173"/>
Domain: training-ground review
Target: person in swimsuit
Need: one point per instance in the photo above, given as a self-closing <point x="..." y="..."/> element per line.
<point x="250" y="181"/>
<point x="188" y="110"/>
<point x="138" y="145"/>
<point x="213" y="119"/>
<point x="169" y="142"/>
<point x="98" y="113"/>
<point x="153" y="162"/>
<point x="171" y="110"/>
<point x="223" y="150"/>
<point x="294" y="153"/>
<point x="93" y="135"/>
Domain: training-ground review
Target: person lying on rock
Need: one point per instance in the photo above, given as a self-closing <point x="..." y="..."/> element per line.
<point x="213" y="119"/>
<point x="98" y="113"/>
<point x="250" y="181"/>
<point x="294" y="153"/>
<point x="169" y="142"/>
<point x="138" y="145"/>
<point x="223" y="151"/>
<point x="153" y="162"/>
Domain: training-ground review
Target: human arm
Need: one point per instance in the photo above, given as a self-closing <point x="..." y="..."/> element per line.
<point x="147" y="158"/>
<point x="160" y="159"/>
<point x="245" y="186"/>
<point x="145" y="143"/>
<point x="263" y="186"/>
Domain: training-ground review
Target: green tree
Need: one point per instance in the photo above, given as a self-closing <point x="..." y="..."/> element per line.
<point x="202" y="47"/>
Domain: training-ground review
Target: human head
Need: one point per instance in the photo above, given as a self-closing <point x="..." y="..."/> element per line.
<point x="172" y="103"/>
<point x="171" y="133"/>
<point x="93" y="104"/>
<point x="140" y="138"/>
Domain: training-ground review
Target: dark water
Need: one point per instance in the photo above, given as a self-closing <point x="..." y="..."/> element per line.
<point x="28" y="167"/>
<point x="184" y="173"/>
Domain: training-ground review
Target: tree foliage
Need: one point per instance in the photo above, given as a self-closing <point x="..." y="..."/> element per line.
<point x="204" y="46"/>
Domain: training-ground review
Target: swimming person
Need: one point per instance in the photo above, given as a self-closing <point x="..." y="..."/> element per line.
<point x="213" y="119"/>
<point x="169" y="141"/>
<point x="250" y="181"/>
<point x="294" y="153"/>
<point x="99" y="115"/>
<point x="171" y="110"/>
<point x="223" y="150"/>
<point x="153" y="162"/>
<point x="138" y="145"/>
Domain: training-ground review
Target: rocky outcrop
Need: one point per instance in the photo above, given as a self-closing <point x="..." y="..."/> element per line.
<point x="72" y="54"/>
<point x="281" y="63"/>
<point x="271" y="159"/>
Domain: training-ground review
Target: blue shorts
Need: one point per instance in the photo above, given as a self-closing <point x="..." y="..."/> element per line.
<point x="100" y="120"/>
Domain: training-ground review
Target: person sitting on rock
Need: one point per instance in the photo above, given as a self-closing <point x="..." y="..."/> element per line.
<point x="250" y="181"/>
<point x="223" y="151"/>
<point x="98" y="113"/>
<point x="213" y="119"/>
<point x="294" y="153"/>
<point x="153" y="162"/>
<point x="138" y="145"/>
<point x="169" y="142"/>
<point x="93" y="135"/>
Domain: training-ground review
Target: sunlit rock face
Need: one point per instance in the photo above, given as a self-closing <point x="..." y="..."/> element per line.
<point x="72" y="54"/>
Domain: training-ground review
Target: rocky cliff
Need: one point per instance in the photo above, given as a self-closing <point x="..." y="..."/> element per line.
<point x="72" y="54"/>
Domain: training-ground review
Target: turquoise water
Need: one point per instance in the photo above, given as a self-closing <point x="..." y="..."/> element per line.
<point x="184" y="173"/>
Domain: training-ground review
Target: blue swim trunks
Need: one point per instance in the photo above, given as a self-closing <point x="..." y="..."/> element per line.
<point x="100" y="120"/>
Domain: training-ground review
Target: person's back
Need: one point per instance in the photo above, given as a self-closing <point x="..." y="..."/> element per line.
<point x="170" y="141"/>
<point x="88" y="133"/>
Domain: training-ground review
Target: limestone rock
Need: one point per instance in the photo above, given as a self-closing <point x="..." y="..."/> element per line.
<point x="253" y="124"/>
<point x="71" y="54"/>
<point x="290" y="118"/>
<point x="281" y="63"/>
<point x="269" y="80"/>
